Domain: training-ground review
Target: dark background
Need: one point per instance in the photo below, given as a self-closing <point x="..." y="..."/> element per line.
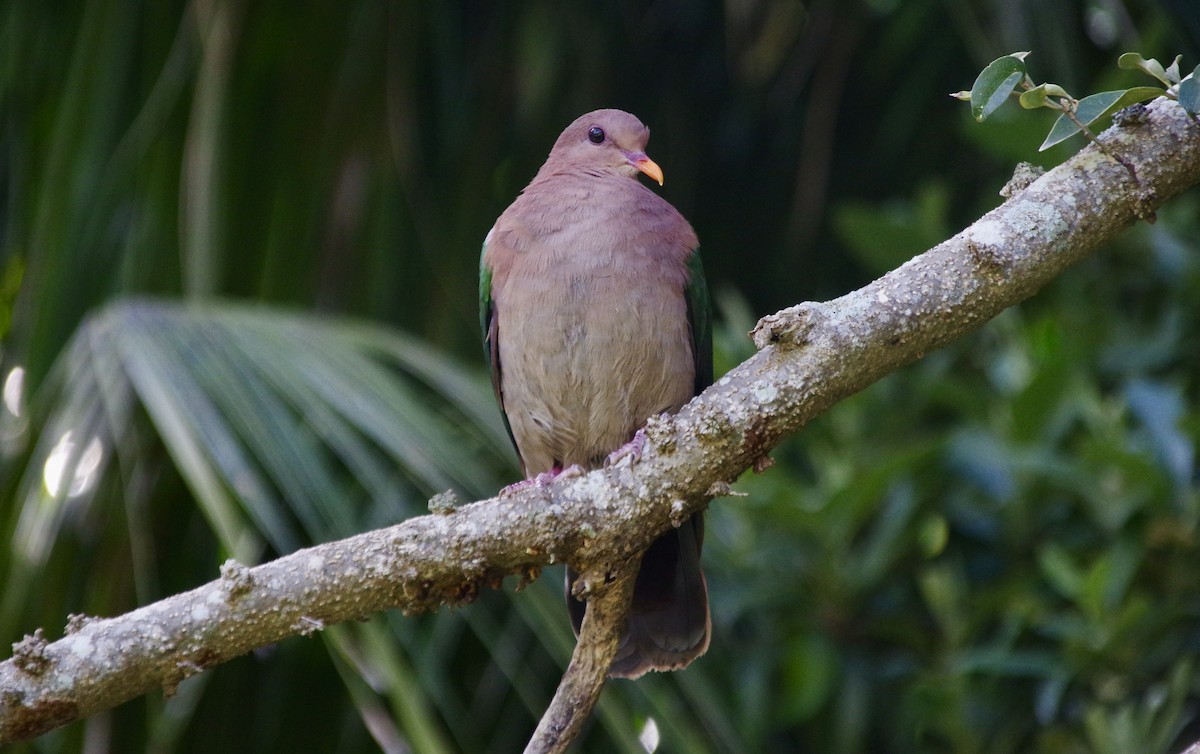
<point x="994" y="550"/>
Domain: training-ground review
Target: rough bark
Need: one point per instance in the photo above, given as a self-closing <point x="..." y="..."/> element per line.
<point x="594" y="652"/>
<point x="810" y="356"/>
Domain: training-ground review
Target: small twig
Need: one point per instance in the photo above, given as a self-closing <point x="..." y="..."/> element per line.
<point x="584" y="680"/>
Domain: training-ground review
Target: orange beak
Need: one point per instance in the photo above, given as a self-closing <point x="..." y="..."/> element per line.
<point x="647" y="166"/>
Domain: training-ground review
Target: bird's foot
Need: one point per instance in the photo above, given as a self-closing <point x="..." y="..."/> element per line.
<point x="512" y="489"/>
<point x="546" y="477"/>
<point x="632" y="450"/>
<point x="541" y="480"/>
<point x="571" y="472"/>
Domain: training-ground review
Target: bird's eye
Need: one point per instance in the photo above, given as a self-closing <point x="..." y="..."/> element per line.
<point x="596" y="135"/>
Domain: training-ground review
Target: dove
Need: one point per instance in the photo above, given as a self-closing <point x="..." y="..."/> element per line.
<point x="595" y="316"/>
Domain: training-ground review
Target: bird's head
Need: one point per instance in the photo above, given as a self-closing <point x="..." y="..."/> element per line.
<point x="605" y="141"/>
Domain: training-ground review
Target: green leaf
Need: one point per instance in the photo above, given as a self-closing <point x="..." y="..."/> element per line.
<point x="810" y="671"/>
<point x="1173" y="70"/>
<point x="932" y="535"/>
<point x="884" y="235"/>
<point x="370" y="651"/>
<point x="1189" y="92"/>
<point x="995" y="82"/>
<point x="1040" y="95"/>
<point x="1063" y="129"/>
<point x="1060" y="570"/>
<point x="1131" y="61"/>
<point x="944" y="590"/>
<point x="1094" y="107"/>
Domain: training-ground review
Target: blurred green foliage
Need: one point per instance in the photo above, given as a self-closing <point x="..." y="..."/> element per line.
<point x="238" y="250"/>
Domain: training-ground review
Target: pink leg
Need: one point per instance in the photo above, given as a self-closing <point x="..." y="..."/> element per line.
<point x="541" y="480"/>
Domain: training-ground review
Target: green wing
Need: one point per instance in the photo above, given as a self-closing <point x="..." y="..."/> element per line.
<point x="700" y="320"/>
<point x="485" y="305"/>
<point x="488" y="323"/>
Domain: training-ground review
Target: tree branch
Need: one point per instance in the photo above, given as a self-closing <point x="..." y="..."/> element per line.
<point x="593" y="656"/>
<point x="810" y="357"/>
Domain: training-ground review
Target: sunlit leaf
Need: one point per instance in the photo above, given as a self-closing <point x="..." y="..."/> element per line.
<point x="1039" y="96"/>
<point x="1173" y="74"/>
<point x="1134" y="61"/>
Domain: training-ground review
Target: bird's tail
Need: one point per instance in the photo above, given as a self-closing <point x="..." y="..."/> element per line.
<point x="668" y="624"/>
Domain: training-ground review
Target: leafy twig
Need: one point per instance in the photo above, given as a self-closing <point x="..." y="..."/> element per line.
<point x="1004" y="76"/>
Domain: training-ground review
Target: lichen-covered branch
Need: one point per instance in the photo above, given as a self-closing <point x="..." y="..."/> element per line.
<point x="810" y="357"/>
